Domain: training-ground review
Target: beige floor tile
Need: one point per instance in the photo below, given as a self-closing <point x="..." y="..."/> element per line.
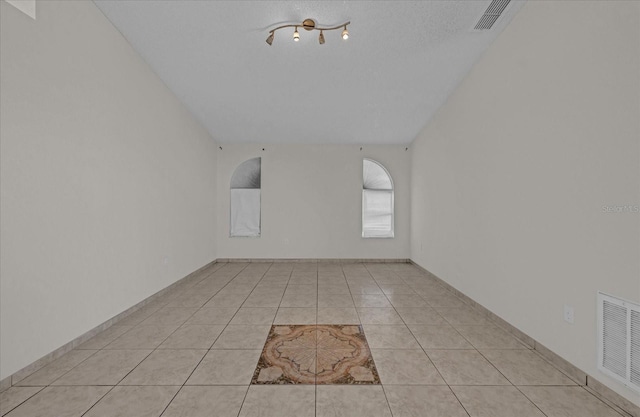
<point x="379" y="316"/>
<point x="226" y="367"/>
<point x="429" y="291"/>
<point x="14" y="396"/>
<point x="365" y="289"/>
<point x="268" y="291"/>
<point x="439" y="337"/>
<point x="335" y="300"/>
<point x="505" y="401"/>
<point x="256" y="300"/>
<point x="389" y="337"/>
<point x="296" y="316"/>
<point x="242" y="337"/>
<point x="333" y="289"/>
<point x="299" y="300"/>
<point x="424" y="401"/>
<point x="189" y="300"/>
<point x="387" y="279"/>
<point x="142" y="337"/>
<point x="465" y="367"/>
<point x="297" y="289"/>
<point x="133" y="401"/>
<point x="567" y="402"/>
<point x="57" y="368"/>
<point x="279" y="401"/>
<point x="407" y="367"/>
<point x="138" y="316"/>
<point x="525" y="367"/>
<point x="352" y="401"/>
<point x="106" y="367"/>
<point x="332" y="281"/>
<point x="406" y="300"/>
<point x="192" y="337"/>
<point x="338" y="315"/>
<point x="228" y="301"/>
<point x="221" y="315"/>
<point x="237" y="288"/>
<point x="257" y="315"/>
<point x="169" y="317"/>
<point x="165" y="367"/>
<point x="218" y="401"/>
<point x="303" y="280"/>
<point x="269" y="296"/>
<point x="105" y="337"/>
<point x="371" y="300"/>
<point x="464" y="316"/>
<point x="445" y="300"/>
<point x="396" y="289"/>
<point x="489" y="337"/>
<point x="275" y="279"/>
<point x="60" y="402"/>
<point x="420" y="315"/>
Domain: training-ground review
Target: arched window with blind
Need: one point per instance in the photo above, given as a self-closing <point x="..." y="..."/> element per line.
<point x="245" y="199"/>
<point x="377" y="200"/>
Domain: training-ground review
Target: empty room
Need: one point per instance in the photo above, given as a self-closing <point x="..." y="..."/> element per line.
<point x="319" y="208"/>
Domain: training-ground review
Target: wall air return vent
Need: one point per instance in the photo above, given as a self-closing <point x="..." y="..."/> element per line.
<point x="492" y="14"/>
<point x="619" y="340"/>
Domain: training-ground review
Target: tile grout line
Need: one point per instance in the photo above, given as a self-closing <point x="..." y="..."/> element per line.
<point x="422" y="348"/>
<point x="216" y="339"/>
<point x="246" y="393"/>
<point x="315" y="387"/>
<point x="108" y="343"/>
<point x="153" y="350"/>
<point x="96" y="351"/>
<point x="410" y="281"/>
<point x="430" y="360"/>
<point x="165" y="339"/>
<point x="384" y="391"/>
<point x="491" y="363"/>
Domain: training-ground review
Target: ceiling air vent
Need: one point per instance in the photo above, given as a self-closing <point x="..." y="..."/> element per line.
<point x="619" y="339"/>
<point x="492" y="14"/>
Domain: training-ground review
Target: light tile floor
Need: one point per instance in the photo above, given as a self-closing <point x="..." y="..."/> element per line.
<point x="193" y="352"/>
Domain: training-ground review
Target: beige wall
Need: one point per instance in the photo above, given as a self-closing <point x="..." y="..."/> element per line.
<point x="107" y="183"/>
<point x="510" y="178"/>
<point x="312" y="202"/>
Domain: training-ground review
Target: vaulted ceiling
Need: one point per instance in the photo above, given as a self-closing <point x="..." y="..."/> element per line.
<point x="381" y="86"/>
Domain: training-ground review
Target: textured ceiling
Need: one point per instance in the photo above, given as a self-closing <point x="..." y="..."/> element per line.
<point x="381" y="86"/>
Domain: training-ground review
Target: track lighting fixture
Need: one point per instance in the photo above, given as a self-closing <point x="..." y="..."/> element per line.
<point x="309" y="24"/>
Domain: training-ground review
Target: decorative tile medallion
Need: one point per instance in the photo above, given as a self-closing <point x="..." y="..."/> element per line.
<point x="310" y="354"/>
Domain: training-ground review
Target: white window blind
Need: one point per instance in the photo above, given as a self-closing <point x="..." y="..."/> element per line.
<point x="245" y="199"/>
<point x="377" y="200"/>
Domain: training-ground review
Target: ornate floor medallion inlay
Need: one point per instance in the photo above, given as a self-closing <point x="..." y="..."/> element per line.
<point x="310" y="354"/>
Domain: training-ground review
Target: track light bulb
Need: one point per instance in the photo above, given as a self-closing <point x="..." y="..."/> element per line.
<point x="321" y="38"/>
<point x="345" y="33"/>
<point x="296" y="35"/>
<point x="270" y="39"/>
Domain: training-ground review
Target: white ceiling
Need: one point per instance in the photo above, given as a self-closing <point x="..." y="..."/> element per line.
<point x="382" y="86"/>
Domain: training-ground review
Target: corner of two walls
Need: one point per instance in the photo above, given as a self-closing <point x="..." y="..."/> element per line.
<point x="107" y="182"/>
<point x="512" y="179"/>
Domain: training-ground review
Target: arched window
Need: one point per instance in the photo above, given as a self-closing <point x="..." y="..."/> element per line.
<point x="245" y="199"/>
<point x="377" y="200"/>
